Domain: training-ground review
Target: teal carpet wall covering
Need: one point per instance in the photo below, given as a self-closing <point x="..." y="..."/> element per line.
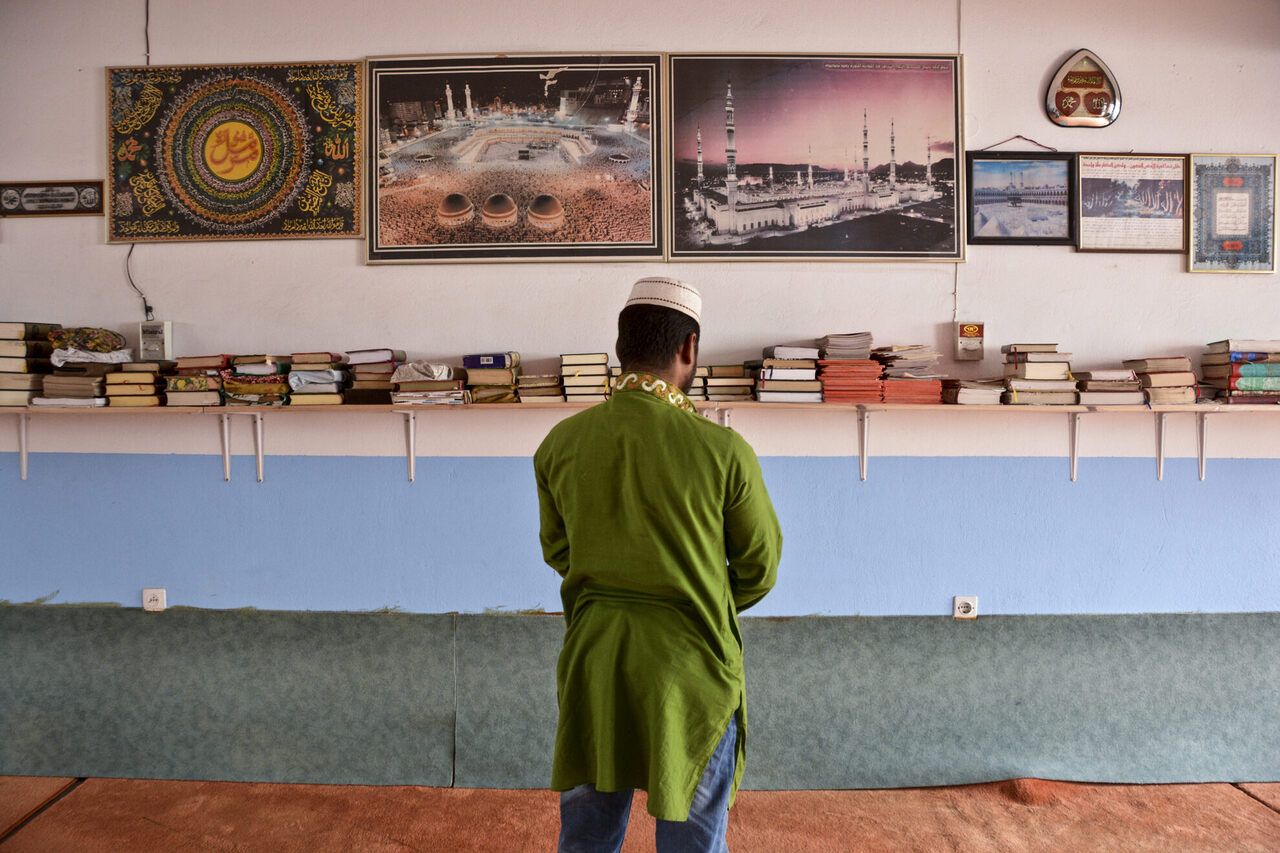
<point x="469" y="700"/>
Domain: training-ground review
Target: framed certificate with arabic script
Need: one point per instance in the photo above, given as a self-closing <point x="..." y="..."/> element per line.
<point x="1232" y="217"/>
<point x="233" y="152"/>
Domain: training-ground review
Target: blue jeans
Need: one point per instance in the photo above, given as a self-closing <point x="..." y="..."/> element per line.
<point x="593" y="821"/>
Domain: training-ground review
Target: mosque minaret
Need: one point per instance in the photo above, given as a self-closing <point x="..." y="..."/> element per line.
<point x="634" y="109"/>
<point x="699" y="155"/>
<point x="866" y="172"/>
<point x="448" y="96"/>
<point x="893" y="163"/>
<point x="730" y="157"/>
<point x="928" y="161"/>
<point x="471" y="113"/>
<point x="811" y="168"/>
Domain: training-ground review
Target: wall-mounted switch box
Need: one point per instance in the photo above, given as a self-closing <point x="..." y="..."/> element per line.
<point x="155" y="340"/>
<point x="153" y="599"/>
<point x="969" y="341"/>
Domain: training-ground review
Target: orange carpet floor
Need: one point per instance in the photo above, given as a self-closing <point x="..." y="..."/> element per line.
<point x="44" y="814"/>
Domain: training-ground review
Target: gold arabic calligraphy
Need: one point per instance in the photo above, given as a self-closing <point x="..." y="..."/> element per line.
<point x="148" y="102"/>
<point x="233" y="150"/>
<point x="322" y="102"/>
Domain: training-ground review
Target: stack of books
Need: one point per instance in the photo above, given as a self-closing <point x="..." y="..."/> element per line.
<point x="729" y="383"/>
<point x="493" y="377"/>
<point x="1109" y="388"/>
<point x="1037" y="375"/>
<point x="317" y="378"/>
<point x="585" y="376"/>
<point x="787" y="379"/>
<point x="197" y="381"/>
<point x="423" y="383"/>
<point x="371" y="371"/>
<point x="74" y="390"/>
<point x="697" y="386"/>
<point x="851" y="380"/>
<point x="24" y="360"/>
<point x="540" y="388"/>
<point x="928" y="391"/>
<point x="855" y="346"/>
<point x="131" y="386"/>
<point x="256" y="380"/>
<point x="1167" y="380"/>
<point x="1243" y="371"/>
<point x="913" y="361"/>
<point x="972" y="392"/>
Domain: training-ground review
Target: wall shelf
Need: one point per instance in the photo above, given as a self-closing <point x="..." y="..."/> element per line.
<point x="719" y="412"/>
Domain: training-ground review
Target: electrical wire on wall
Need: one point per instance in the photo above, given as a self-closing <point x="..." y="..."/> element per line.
<point x="147" y="312"/>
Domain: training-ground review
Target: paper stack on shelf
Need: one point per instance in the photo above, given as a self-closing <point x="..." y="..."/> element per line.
<point x="585" y="376"/>
<point x="913" y="361"/>
<point x="972" y="392"/>
<point x="911" y="390"/>
<point x="1112" y="387"/>
<point x="1037" y="375"/>
<point x="425" y="383"/>
<point x="24" y="360"/>
<point x="854" y="346"/>
<point x="1243" y="370"/>
<point x="1165" y="380"/>
<point x="787" y="379"/>
<point x="317" y="378"/>
<point x="492" y="377"/>
<point x="851" y="380"/>
<point x="371" y="371"/>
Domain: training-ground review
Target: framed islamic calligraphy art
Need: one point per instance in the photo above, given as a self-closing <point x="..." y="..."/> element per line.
<point x="1232" y="213"/>
<point x="816" y="157"/>
<point x="1132" y="202"/>
<point x="51" y="198"/>
<point x="229" y="152"/>
<point x="537" y="157"/>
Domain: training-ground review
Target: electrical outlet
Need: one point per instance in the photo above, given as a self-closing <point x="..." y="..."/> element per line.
<point x="964" y="607"/>
<point x="153" y="599"/>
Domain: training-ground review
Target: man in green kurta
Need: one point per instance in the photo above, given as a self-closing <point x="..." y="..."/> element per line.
<point x="659" y="522"/>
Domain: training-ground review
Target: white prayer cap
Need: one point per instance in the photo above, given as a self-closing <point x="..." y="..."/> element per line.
<point x="669" y="293"/>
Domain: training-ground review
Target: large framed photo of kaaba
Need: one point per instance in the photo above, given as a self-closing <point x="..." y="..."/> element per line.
<point x="816" y="157"/>
<point x="536" y="157"/>
<point x="231" y="152"/>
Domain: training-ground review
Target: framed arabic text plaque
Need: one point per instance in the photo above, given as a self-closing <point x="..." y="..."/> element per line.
<point x="1083" y="93"/>
<point x="1232" y="217"/>
<point x="226" y="152"/>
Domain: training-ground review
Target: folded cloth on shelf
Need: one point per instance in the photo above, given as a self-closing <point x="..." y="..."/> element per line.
<point x="234" y="399"/>
<point x="413" y="371"/>
<point x="71" y="355"/>
<point x="87" y="338"/>
<point x="299" y="378"/>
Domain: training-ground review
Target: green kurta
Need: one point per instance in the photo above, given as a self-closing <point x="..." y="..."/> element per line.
<point x="660" y="524"/>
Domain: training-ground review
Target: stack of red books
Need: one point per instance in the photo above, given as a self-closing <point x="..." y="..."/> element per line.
<point x="846" y="381"/>
<point x="912" y="391"/>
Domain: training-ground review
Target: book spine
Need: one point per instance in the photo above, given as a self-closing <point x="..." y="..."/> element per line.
<point x="1242" y="356"/>
<point x="491" y="359"/>
<point x="1254" y="383"/>
<point x="1247" y="369"/>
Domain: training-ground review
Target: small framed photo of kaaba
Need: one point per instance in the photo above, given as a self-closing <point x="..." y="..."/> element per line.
<point x="816" y="157"/>
<point x="536" y="157"/>
<point x="1022" y="197"/>
<point x="234" y="152"/>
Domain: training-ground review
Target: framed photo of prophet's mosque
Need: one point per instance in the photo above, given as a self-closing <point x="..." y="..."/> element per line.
<point x="230" y="152"/>
<point x="817" y="157"/>
<point x="535" y="157"/>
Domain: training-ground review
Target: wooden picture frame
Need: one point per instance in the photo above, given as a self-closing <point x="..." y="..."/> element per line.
<point x="1021" y="197"/>
<point x="234" y="152"/>
<point x="525" y="157"/>
<point x="1131" y="202"/>
<point x="815" y="157"/>
<point x="1231" y="220"/>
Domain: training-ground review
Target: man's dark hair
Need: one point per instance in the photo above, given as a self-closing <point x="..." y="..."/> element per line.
<point x="649" y="336"/>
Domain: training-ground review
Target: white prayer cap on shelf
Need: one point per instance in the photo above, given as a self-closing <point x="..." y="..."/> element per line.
<point x="669" y="293"/>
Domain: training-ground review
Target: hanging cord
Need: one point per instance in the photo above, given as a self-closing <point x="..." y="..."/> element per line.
<point x="146" y="306"/>
<point x="1024" y="138"/>
<point x="128" y="271"/>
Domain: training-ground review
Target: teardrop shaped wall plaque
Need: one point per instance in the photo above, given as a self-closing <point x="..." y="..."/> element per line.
<point x="1083" y="93"/>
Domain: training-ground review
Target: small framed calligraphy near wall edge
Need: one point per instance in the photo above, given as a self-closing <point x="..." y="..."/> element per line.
<point x="235" y="152"/>
<point x="1232" y="216"/>
<point x="1131" y="202"/>
<point x="50" y="198"/>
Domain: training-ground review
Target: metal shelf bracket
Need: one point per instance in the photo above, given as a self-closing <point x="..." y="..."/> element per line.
<point x="1160" y="445"/>
<point x="1073" y="431"/>
<point x="225" y="422"/>
<point x="1202" y="426"/>
<point x="864" y="431"/>
<point x="410" y="440"/>
<point x="23" y="419"/>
